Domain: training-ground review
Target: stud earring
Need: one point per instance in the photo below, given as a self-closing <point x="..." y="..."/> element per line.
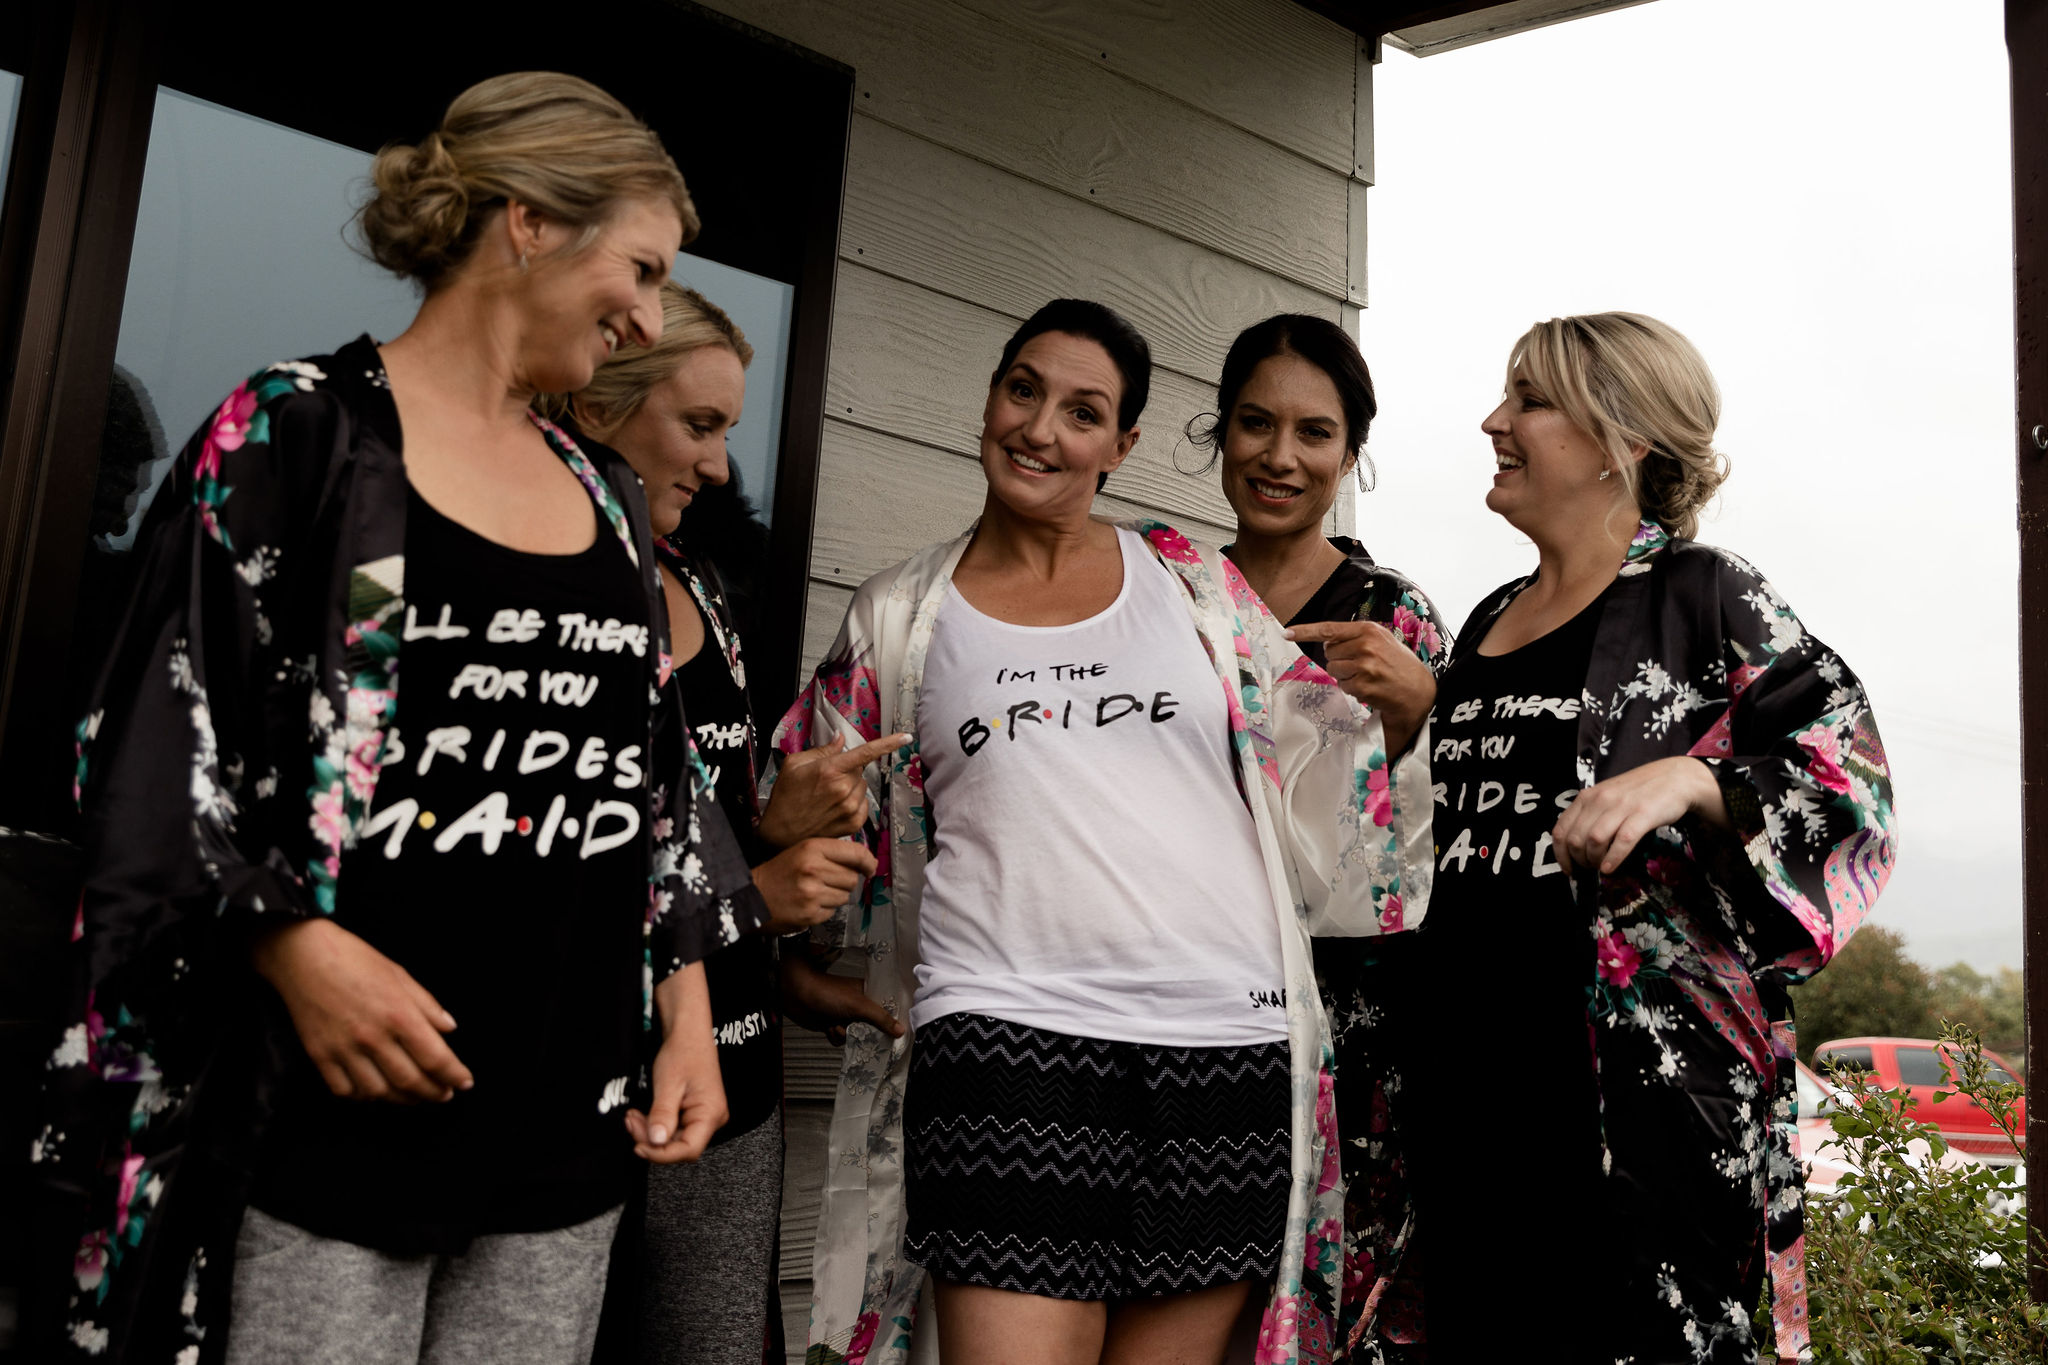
<point x="1604" y="473"/>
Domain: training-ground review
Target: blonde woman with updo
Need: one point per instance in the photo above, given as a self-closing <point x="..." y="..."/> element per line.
<point x="1660" y="802"/>
<point x="699" y="1265"/>
<point x="387" y="990"/>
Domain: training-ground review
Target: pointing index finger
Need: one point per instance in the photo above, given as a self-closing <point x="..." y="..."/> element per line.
<point x="1328" y="630"/>
<point x="853" y="760"/>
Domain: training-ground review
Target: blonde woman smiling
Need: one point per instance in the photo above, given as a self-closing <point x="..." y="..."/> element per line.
<point x="1661" y="801"/>
<point x="375" y="987"/>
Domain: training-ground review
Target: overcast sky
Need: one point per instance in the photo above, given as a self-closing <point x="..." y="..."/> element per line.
<point x="1818" y="193"/>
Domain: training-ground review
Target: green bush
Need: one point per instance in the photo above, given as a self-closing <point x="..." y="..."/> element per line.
<point x="1911" y="1260"/>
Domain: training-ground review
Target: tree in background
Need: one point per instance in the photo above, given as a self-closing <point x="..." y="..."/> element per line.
<point x="1994" y="1007"/>
<point x="1871" y="987"/>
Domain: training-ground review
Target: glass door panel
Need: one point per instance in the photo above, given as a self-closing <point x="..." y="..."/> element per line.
<point x="239" y="260"/>
<point x="10" y="105"/>
<point x="762" y="308"/>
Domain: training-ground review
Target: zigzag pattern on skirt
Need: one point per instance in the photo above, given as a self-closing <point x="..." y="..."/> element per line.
<point x="1001" y="1045"/>
<point x="1080" y="1168"/>
<point x="956" y="1146"/>
<point x="1086" y="1270"/>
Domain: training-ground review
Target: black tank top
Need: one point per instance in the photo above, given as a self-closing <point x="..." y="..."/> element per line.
<point x="1507" y="956"/>
<point x="504" y="865"/>
<point x="741" y="976"/>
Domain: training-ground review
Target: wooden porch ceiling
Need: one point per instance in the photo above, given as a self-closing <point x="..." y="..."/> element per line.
<point x="1425" y="29"/>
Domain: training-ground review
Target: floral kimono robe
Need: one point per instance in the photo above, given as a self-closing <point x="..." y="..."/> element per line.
<point x="1346" y="851"/>
<point x="227" y="761"/>
<point x="1693" y="940"/>
<point x="721" y="633"/>
<point x="1381" y="1300"/>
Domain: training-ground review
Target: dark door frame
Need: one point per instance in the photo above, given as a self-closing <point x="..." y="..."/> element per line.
<point x="2026" y="41"/>
<point x="73" y="182"/>
<point x="759" y="126"/>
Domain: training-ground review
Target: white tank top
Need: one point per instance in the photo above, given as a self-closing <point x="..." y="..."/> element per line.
<point x="1093" y="869"/>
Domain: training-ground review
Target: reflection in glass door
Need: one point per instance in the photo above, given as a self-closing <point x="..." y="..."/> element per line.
<point x="239" y="260"/>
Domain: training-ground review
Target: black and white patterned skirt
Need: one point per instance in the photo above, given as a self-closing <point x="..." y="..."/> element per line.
<point x="1076" y="1168"/>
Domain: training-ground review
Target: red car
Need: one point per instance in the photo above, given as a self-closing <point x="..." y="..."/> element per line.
<point x="1914" y="1065"/>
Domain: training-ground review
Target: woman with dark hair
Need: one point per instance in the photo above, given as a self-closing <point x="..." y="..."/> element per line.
<point x="1662" y="803"/>
<point x="1126" y="803"/>
<point x="1293" y="409"/>
<point x="283" y="1145"/>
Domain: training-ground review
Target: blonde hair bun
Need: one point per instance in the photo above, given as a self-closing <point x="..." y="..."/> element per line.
<point x="416" y="218"/>
<point x="554" y="142"/>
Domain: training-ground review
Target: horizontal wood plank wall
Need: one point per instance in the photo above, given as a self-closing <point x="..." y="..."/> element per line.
<point x="1191" y="163"/>
<point x="991" y="91"/>
<point x="921" y="213"/>
<point x="1274" y="70"/>
<point x="823" y="611"/>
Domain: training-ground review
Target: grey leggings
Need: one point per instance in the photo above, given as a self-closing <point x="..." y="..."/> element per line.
<point x="511" y="1299"/>
<point x="710" y="1240"/>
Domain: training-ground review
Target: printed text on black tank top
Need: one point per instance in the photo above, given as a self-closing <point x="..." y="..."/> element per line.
<point x="587" y="822"/>
<point x="1505" y="825"/>
<point x="718" y="742"/>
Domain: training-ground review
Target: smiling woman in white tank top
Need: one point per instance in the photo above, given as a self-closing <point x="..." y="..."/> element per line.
<point x="1126" y="803"/>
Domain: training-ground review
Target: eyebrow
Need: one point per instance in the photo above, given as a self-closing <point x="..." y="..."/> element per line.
<point x="1264" y="411"/>
<point x="1039" y="379"/>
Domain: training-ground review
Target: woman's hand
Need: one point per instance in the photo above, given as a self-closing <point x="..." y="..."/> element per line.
<point x="827" y="1003"/>
<point x="1604" y="822"/>
<point x="373" y="1031"/>
<point x="805" y="884"/>
<point x="689" y="1094"/>
<point x="820" y="793"/>
<point x="1373" y="664"/>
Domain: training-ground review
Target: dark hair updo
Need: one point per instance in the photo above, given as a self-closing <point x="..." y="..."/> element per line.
<point x="1106" y="328"/>
<point x="1321" y="343"/>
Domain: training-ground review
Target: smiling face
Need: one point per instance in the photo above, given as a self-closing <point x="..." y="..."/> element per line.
<point x="577" y="306"/>
<point x="675" y="439"/>
<point x="1284" y="448"/>
<point x="1049" y="429"/>
<point x="1546" y="467"/>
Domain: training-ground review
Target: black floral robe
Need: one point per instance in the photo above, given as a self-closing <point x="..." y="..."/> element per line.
<point x="1357" y="977"/>
<point x="1693" y="941"/>
<point x="229" y="754"/>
